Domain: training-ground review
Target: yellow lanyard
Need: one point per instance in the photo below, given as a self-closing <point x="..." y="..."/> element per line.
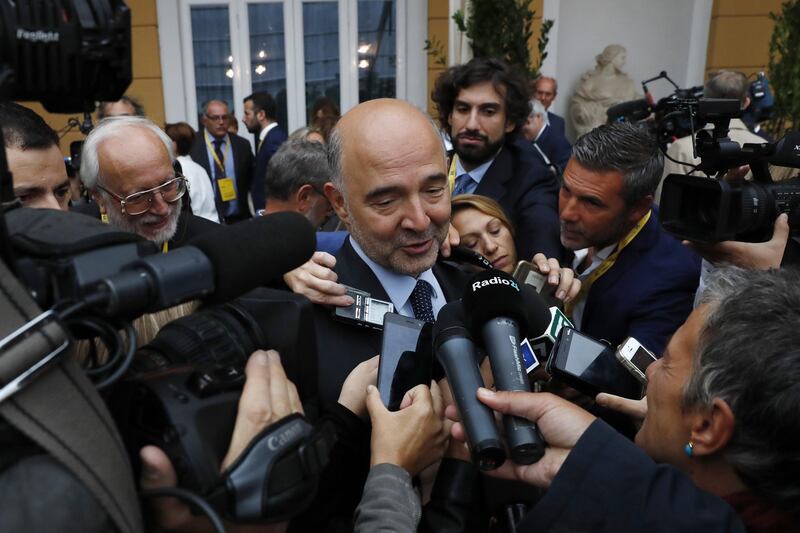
<point x="607" y="263"/>
<point x="214" y="153"/>
<point x="451" y="175"/>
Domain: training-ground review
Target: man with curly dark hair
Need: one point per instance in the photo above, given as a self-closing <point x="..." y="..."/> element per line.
<point x="482" y="105"/>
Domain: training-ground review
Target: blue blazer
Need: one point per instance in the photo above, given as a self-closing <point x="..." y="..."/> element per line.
<point x="274" y="139"/>
<point x="557" y="123"/>
<point x="647" y="294"/>
<point x="555" y="146"/>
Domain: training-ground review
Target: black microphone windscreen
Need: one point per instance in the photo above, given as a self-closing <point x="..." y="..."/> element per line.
<point x="256" y="252"/>
<point x="450" y="321"/>
<point x="537" y="310"/>
<point x="492" y="294"/>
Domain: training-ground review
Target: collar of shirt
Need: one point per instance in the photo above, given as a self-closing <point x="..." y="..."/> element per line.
<point x="476" y="173"/>
<point x="599" y="257"/>
<point x="263" y="134"/>
<point x="210" y="138"/>
<point x="400" y="286"/>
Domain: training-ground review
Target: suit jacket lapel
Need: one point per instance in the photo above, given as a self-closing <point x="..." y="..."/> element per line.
<point x="494" y="181"/>
<point x="353" y="271"/>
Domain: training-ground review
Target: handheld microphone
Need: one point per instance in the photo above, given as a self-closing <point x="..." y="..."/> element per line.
<point x="456" y="353"/>
<point x="548" y="321"/>
<point x="218" y="266"/>
<point x="495" y="309"/>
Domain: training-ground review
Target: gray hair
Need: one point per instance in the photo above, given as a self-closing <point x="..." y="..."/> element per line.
<point x="727" y="84"/>
<point x="538" y="110"/>
<point x="220" y="100"/>
<point x="627" y="148"/>
<point x="110" y="128"/>
<point x="748" y="355"/>
<point x="296" y="163"/>
<point x="335" y="148"/>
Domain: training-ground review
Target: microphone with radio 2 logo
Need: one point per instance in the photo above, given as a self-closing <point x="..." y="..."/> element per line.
<point x="497" y="317"/>
<point x="456" y="353"/>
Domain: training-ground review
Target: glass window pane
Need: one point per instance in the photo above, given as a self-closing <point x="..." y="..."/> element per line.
<point x="213" y="63"/>
<point x="267" y="54"/>
<point x="321" y="47"/>
<point x="377" y="49"/>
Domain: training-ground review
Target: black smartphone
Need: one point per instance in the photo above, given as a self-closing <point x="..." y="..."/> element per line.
<point x="406" y="358"/>
<point x="365" y="310"/>
<point x="590" y="366"/>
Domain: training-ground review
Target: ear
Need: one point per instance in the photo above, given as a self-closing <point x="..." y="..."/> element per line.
<point x="712" y="429"/>
<point x="336" y="200"/>
<point x="510" y="126"/>
<point x="100" y="201"/>
<point x="640" y="209"/>
<point x="303" y="198"/>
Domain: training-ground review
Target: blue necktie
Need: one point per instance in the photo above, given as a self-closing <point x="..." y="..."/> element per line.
<point x="462" y="182"/>
<point x="421" y="301"/>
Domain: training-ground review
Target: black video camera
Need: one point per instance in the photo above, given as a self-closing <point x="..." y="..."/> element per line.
<point x="667" y="119"/>
<point x="713" y="210"/>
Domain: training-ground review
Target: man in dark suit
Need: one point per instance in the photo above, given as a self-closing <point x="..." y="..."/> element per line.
<point x="545" y="90"/>
<point x="260" y="117"/>
<point x="554" y="150"/>
<point x="637" y="280"/>
<point x="482" y="105"/>
<point x="228" y="161"/>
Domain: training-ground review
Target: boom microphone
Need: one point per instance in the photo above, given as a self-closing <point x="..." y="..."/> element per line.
<point x="456" y="352"/>
<point x="496" y="313"/>
<point x="218" y="266"/>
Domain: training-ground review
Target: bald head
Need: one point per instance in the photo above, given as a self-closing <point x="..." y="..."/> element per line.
<point x="375" y="126"/>
<point x="390" y="183"/>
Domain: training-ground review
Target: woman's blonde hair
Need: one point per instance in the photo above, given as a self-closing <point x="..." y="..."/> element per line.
<point x="485" y="205"/>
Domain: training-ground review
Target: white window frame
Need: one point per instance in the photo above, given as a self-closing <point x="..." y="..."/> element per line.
<point x="177" y="61"/>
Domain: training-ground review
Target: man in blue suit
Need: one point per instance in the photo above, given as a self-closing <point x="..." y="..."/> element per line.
<point x="637" y="280"/>
<point x="260" y="117"/>
<point x="551" y="147"/>
<point x="545" y="90"/>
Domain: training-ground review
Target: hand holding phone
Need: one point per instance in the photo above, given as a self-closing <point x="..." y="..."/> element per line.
<point x="406" y="358"/>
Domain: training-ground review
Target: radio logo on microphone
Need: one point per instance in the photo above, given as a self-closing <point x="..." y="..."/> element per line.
<point x="496" y="280"/>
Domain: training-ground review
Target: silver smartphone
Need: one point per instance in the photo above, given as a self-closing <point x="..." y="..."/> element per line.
<point x="635" y="358"/>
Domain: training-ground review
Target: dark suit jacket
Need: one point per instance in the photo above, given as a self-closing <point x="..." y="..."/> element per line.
<point x="556" y="147"/>
<point x="608" y="484"/>
<point x="242" y="164"/>
<point x="275" y="137"/>
<point x="343" y="346"/>
<point x="557" y="123"/>
<point x="528" y="193"/>
<point x="647" y="294"/>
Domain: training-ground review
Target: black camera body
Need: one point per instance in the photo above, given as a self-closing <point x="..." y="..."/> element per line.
<point x="712" y="210"/>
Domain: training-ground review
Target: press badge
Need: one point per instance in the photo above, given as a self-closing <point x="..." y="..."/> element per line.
<point x="227" y="191"/>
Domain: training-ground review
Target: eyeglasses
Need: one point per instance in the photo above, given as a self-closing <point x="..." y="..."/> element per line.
<point x="217" y="118"/>
<point x="139" y="203"/>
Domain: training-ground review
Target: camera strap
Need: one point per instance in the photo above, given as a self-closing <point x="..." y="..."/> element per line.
<point x="59" y="409"/>
<point x="276" y="476"/>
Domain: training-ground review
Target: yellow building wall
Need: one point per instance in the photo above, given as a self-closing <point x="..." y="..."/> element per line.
<point x="739" y="35"/>
<point x="146" y="85"/>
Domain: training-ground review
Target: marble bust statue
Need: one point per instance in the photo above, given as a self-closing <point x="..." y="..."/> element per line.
<point x="600" y="89"/>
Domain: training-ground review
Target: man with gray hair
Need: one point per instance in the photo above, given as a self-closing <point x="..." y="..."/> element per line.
<point x="127" y="166"/>
<point x="638" y="281"/>
<point x="724" y="84"/>
<point x="550" y="145"/>
<point x="295" y="180"/>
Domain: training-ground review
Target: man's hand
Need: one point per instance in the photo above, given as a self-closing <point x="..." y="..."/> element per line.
<point x="453" y="239"/>
<point x="354" y="390"/>
<point x="267" y="396"/>
<point x="413" y="437"/>
<point x="567" y="285"/>
<point x="560" y="422"/>
<point x="754" y="255"/>
<point x="316" y="280"/>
